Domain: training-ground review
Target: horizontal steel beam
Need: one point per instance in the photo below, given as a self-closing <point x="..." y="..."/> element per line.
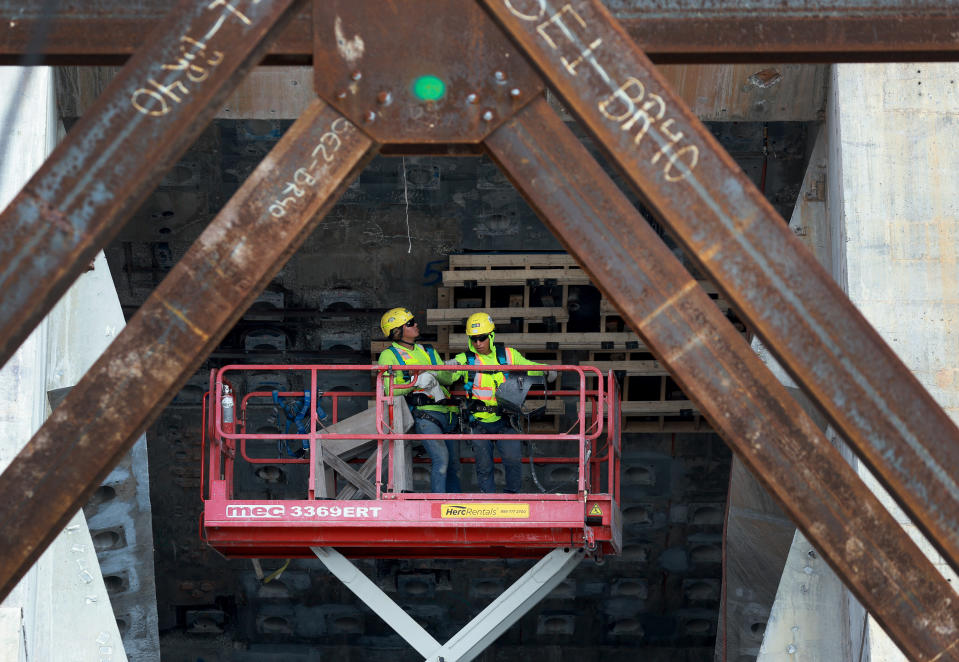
<point x="715" y="366"/>
<point x="117" y="153"/>
<point x="183" y="319"/>
<point x="736" y="238"/>
<point x="672" y="31"/>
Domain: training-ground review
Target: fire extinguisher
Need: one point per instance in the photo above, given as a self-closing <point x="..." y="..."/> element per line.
<point x="226" y="403"/>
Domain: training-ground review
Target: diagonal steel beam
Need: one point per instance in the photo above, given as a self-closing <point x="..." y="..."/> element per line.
<point x="117" y="153"/>
<point x="759" y="31"/>
<point x="739" y="240"/>
<point x="170" y="335"/>
<point x="716" y="367"/>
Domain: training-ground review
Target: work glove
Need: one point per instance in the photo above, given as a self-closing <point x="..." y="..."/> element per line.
<point x="451" y="362"/>
<point x="551" y="376"/>
<point x="425" y="380"/>
<point x="427" y="383"/>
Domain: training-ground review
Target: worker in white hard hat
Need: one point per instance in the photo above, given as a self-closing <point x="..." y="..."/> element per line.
<point x="486" y="416"/>
<point x="424" y="393"/>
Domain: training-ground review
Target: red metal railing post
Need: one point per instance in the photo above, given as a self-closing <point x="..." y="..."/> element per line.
<point x="316" y="450"/>
<point x="378" y="394"/>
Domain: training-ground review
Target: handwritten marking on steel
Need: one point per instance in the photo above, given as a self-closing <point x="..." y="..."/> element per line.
<point x="328" y="145"/>
<point x="194" y="63"/>
<point x="679" y="163"/>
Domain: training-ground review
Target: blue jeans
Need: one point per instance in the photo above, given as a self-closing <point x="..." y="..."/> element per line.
<point x="510" y="450"/>
<point x="444" y="454"/>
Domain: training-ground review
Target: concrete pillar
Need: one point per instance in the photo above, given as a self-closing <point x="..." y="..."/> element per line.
<point x="763" y="548"/>
<point x="63" y="603"/>
<point x="894" y="136"/>
<point x="814" y="616"/>
<point x="892" y="223"/>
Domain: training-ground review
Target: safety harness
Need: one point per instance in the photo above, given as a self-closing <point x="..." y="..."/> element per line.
<point x="474" y="404"/>
<point x="434" y="359"/>
<point x="297" y="413"/>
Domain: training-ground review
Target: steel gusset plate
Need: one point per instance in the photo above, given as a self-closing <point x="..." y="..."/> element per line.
<point x="418" y="71"/>
<point x="188" y="314"/>
<point x="737" y="238"/>
<point x="715" y="366"/>
<point x="117" y="153"/>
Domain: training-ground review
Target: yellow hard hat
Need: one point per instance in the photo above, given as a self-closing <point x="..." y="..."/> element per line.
<point x="478" y="324"/>
<point x="394" y="318"/>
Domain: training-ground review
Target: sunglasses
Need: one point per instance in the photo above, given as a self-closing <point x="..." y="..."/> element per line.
<point x="482" y="338"/>
<point x="411" y="323"/>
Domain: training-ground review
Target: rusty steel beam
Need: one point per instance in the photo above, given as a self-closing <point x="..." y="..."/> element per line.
<point x="674" y="31"/>
<point x="183" y="319"/>
<point x="117" y="153"/>
<point x="715" y="366"/>
<point x="806" y="31"/>
<point x="737" y="238"/>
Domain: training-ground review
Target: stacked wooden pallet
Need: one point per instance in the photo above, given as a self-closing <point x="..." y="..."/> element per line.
<point x="651" y="401"/>
<point x="534" y="299"/>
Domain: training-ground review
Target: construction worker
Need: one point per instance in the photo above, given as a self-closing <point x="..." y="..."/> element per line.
<point x="486" y="416"/>
<point x="423" y="394"/>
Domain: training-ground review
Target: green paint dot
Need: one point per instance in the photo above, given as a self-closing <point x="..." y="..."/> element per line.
<point x="429" y="88"/>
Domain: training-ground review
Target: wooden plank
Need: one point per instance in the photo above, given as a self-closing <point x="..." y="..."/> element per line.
<point x="474" y="260"/>
<point x="631" y="368"/>
<point x="657" y="407"/>
<point x="436" y="316"/>
<point x="444" y="297"/>
<point x="367" y="470"/>
<point x="553" y="407"/>
<point x="724" y="92"/>
<point x="638" y="427"/>
<point x="349" y="473"/>
<point x="564" y="340"/>
<point x="493" y="277"/>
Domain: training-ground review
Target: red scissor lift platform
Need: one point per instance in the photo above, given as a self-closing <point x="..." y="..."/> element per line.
<point x="398" y="523"/>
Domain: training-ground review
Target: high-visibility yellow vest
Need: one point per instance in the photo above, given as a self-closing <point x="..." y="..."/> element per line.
<point x="485" y="383"/>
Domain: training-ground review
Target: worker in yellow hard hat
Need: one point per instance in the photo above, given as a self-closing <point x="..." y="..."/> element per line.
<point x="486" y="416"/>
<point x="427" y="395"/>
